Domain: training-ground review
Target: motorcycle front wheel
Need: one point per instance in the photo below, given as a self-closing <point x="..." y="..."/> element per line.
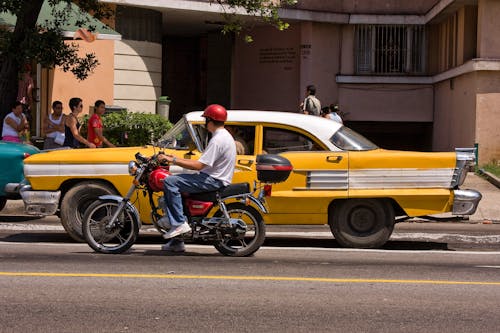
<point x="253" y="238"/>
<point x="113" y="238"/>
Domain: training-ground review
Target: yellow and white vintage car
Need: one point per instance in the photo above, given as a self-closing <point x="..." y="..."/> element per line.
<point x="339" y="178"/>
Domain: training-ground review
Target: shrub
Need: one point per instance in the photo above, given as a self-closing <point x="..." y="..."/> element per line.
<point x="131" y="129"/>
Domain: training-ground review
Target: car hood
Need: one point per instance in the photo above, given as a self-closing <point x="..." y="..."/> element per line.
<point x="96" y="156"/>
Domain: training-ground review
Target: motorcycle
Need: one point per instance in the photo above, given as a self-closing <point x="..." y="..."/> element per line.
<point x="112" y="223"/>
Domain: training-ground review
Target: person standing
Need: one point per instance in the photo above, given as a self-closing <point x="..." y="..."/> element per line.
<point x="72" y="126"/>
<point x="95" y="127"/>
<point x="216" y="168"/>
<point x="15" y="124"/>
<point x="334" y="113"/>
<point x="311" y="104"/>
<point x="53" y="127"/>
<point x="26" y="88"/>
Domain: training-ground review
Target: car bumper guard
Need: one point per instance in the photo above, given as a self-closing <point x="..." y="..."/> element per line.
<point x="40" y="202"/>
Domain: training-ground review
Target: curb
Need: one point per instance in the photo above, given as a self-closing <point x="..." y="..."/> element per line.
<point x="490" y="177"/>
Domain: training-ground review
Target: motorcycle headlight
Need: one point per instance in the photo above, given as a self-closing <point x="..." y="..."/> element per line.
<point x="132" y="168"/>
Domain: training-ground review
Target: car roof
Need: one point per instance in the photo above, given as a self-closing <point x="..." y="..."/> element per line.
<point x="320" y="127"/>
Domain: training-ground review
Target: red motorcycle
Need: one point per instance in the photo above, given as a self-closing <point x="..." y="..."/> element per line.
<point x="230" y="218"/>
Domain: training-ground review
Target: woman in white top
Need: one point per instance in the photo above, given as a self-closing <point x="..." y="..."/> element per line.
<point x="53" y="127"/>
<point x="15" y="124"/>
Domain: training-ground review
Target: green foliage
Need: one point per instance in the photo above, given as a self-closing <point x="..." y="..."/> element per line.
<point x="131" y="129"/>
<point x="43" y="43"/>
<point x="267" y="10"/>
<point x="492" y="167"/>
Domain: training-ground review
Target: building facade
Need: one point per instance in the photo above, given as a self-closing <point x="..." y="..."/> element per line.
<point x="421" y="75"/>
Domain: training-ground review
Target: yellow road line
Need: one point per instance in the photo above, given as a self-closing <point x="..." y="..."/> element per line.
<point x="246" y="278"/>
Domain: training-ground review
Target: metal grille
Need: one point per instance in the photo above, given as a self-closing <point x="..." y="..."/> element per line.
<point x="390" y="49"/>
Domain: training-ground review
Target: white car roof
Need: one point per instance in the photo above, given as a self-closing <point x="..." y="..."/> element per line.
<point x="320" y="127"/>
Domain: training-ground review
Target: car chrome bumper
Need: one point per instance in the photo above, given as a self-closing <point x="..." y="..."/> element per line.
<point x="11" y="190"/>
<point x="40" y="202"/>
<point x="465" y="202"/>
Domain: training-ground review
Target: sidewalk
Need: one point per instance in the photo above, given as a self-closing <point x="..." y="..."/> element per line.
<point x="489" y="206"/>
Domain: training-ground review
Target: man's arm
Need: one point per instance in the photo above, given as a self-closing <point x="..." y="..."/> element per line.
<point x="182" y="162"/>
<point x="98" y="133"/>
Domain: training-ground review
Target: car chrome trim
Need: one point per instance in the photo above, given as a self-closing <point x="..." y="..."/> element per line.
<point x="327" y="180"/>
<point x="40" y="202"/>
<point x="12" y="188"/>
<point x="465" y="202"/>
<point x="466" y="158"/>
<point x="400" y="178"/>
<point x="378" y="178"/>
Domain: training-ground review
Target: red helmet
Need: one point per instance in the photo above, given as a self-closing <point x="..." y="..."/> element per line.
<point x="216" y="112"/>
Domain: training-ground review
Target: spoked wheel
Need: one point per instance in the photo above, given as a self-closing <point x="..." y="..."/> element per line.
<point x="109" y="238"/>
<point x="253" y="238"/>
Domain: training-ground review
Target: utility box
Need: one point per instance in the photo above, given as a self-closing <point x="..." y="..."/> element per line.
<point x="163" y="106"/>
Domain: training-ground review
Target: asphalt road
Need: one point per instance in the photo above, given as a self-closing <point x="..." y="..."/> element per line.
<point x="292" y="284"/>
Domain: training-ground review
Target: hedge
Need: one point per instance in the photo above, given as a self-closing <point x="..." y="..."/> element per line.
<point x="131" y="129"/>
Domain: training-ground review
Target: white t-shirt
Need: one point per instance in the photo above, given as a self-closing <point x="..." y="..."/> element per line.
<point x="335" y="116"/>
<point x="220" y="156"/>
<point x="57" y="122"/>
<point x="7" y="129"/>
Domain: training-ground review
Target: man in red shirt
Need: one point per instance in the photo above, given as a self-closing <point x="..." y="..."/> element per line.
<point x="94" y="134"/>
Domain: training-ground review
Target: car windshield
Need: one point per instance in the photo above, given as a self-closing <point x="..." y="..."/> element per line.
<point x="347" y="139"/>
<point x="177" y="137"/>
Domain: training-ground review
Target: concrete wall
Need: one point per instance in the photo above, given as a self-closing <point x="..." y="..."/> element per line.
<point x="266" y="71"/>
<point x="488" y="43"/>
<point x="488" y="115"/>
<point x="137" y="75"/>
<point x="386" y="102"/>
<point x="454" y="115"/>
<point x="368" y="7"/>
<point x="99" y="85"/>
<point x="272" y="72"/>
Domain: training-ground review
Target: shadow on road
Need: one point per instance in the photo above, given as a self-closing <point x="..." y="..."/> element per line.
<point x="61" y="237"/>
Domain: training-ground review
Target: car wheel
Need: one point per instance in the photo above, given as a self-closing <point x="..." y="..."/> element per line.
<point x="3" y="201"/>
<point x="362" y="223"/>
<point x="76" y="201"/>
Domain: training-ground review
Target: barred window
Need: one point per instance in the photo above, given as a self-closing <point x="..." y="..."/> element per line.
<point x="390" y="49"/>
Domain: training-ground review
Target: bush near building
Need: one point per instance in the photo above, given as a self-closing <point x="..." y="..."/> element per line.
<point x="128" y="129"/>
<point x="493" y="167"/>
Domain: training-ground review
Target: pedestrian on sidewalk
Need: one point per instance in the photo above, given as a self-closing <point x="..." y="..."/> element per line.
<point x="311" y="104"/>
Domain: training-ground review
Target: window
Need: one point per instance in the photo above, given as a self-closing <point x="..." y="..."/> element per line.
<point x="244" y="137"/>
<point x="277" y="140"/>
<point x="346" y="139"/>
<point x="389" y="49"/>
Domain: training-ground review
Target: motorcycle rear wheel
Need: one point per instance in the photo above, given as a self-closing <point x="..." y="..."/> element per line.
<point x="254" y="237"/>
<point x="114" y="239"/>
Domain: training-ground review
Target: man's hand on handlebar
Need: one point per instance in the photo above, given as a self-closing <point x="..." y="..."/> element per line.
<point x="165" y="159"/>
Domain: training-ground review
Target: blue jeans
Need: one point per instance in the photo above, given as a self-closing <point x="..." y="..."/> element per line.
<point x="185" y="183"/>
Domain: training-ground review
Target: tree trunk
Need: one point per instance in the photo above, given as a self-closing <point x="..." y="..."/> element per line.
<point x="16" y="57"/>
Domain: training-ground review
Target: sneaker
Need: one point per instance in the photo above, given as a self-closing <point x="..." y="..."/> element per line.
<point x="164" y="222"/>
<point x="176" y="231"/>
<point x="174" y="245"/>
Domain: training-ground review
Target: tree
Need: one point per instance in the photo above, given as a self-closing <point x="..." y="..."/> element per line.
<point x="44" y="43"/>
<point x="41" y="43"/>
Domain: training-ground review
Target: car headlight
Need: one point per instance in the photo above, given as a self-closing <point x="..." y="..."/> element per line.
<point x="132" y="168"/>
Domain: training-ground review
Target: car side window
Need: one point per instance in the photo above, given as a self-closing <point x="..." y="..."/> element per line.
<point x="244" y="138"/>
<point x="278" y="140"/>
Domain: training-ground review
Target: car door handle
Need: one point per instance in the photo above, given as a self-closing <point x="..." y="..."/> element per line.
<point x="244" y="165"/>
<point x="334" y="159"/>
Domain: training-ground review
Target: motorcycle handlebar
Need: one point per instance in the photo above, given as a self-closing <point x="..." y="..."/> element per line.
<point x="141" y="158"/>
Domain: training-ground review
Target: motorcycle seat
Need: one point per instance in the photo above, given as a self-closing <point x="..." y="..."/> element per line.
<point x="224" y="192"/>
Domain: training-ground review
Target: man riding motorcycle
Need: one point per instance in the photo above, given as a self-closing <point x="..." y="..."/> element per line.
<point x="216" y="168"/>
